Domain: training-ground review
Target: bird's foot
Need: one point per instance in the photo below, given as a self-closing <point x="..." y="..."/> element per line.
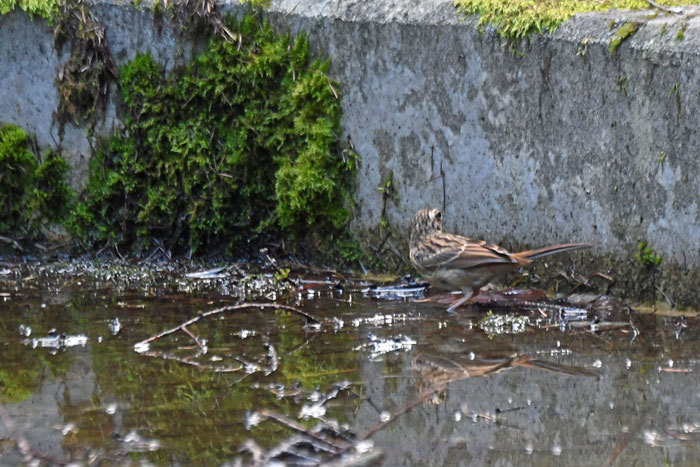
<point x="467" y="296"/>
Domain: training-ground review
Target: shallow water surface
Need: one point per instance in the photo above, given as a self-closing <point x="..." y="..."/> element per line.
<point x="385" y="378"/>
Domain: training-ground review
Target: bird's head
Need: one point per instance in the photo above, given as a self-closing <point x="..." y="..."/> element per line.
<point x="425" y="222"/>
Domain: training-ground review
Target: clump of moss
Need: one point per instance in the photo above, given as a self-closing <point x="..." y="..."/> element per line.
<point x="31" y="193"/>
<point x="646" y="256"/>
<point x="45" y="9"/>
<point x="680" y="35"/>
<point x="241" y="147"/>
<point x="625" y="31"/>
<point x="514" y="20"/>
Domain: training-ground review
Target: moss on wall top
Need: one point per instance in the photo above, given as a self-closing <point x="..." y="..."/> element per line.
<point x="514" y="20"/>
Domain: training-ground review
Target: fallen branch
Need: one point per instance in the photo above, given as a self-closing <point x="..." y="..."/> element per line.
<point x="189" y="361"/>
<point x="674" y="10"/>
<point x="230" y="308"/>
<point x="330" y="445"/>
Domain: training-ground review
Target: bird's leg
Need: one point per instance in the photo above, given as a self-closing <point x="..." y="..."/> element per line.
<point x="468" y="294"/>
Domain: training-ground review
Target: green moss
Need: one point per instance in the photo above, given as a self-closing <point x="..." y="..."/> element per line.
<point x="514" y="20"/>
<point x="625" y="31"/>
<point x="680" y="35"/>
<point x="45" y="9"/>
<point x="31" y="193"/>
<point x="646" y="256"/>
<point x="675" y="93"/>
<point x="241" y="147"/>
<point x="583" y="49"/>
<point x="17" y="173"/>
<point x="662" y="160"/>
<point x="622" y="85"/>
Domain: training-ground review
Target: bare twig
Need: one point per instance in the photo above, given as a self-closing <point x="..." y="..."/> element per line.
<point x="229" y="308"/>
<point x="194" y="338"/>
<point x="189" y="361"/>
<point x="668" y="300"/>
<point x="334" y="446"/>
<point x="674" y="10"/>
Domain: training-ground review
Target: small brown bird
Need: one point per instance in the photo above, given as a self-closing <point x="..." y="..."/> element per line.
<point x="452" y="262"/>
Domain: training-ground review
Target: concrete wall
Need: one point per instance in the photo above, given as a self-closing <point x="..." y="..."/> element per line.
<point x="561" y="141"/>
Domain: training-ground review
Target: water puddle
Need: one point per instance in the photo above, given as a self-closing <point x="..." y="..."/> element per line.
<point x="181" y="364"/>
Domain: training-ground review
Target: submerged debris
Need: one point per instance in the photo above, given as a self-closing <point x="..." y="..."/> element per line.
<point x="383" y="320"/>
<point x="243" y="281"/>
<point x="379" y="346"/>
<point x="137" y="443"/>
<point x="57" y="341"/>
<point x="396" y="292"/>
<point x="327" y="443"/>
<point x="494" y="324"/>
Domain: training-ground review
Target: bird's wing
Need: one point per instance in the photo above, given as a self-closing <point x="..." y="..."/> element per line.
<point x="454" y="251"/>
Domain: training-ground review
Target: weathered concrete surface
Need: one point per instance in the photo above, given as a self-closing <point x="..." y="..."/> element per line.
<point x="562" y="141"/>
<point x="30" y="62"/>
<point x="559" y="143"/>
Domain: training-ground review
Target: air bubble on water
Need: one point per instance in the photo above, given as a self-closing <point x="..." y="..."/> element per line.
<point x="365" y="446"/>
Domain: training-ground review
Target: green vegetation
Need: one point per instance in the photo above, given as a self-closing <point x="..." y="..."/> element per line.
<point x="242" y="146"/>
<point x="625" y="31"/>
<point x="42" y="8"/>
<point x="496" y="324"/>
<point x="680" y="35"/>
<point x="622" y="86"/>
<point x="32" y="193"/>
<point x="662" y="160"/>
<point x="515" y="20"/>
<point x="646" y="256"/>
<point x="583" y="49"/>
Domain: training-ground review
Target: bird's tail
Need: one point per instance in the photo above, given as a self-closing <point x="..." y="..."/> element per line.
<point x="550" y="250"/>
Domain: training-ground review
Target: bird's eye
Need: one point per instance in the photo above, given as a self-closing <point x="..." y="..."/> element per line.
<point x="438" y="216"/>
